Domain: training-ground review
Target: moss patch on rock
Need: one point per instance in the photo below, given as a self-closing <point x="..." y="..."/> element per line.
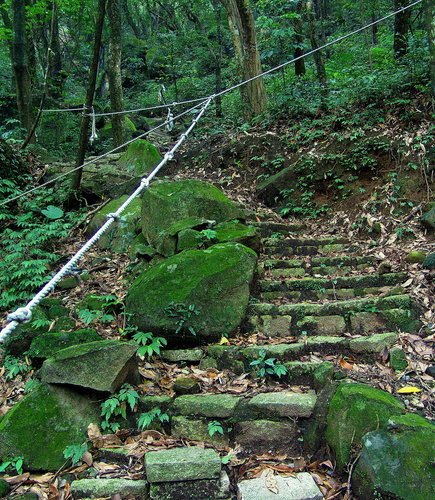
<point x="213" y="282"/>
<point x="140" y="157"/>
<point x="354" y="410"/>
<point x="43" y="423"/>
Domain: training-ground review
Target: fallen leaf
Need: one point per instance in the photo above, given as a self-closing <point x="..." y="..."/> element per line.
<point x="408" y="390"/>
<point x="345" y="365"/>
<point x="223" y="341"/>
<point x="270" y="481"/>
<point x="94" y="432"/>
<point x="407" y="283"/>
<point x="87" y="458"/>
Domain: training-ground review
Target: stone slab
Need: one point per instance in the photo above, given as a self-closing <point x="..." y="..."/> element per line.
<point x="207" y="405"/>
<point x="284" y="404"/>
<point x="100" y="488"/>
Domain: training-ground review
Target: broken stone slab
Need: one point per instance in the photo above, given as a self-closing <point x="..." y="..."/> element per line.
<point x="207" y="405"/>
<point x="182" y="464"/>
<point x="43" y="424"/>
<point x="186" y="385"/>
<point x="103" y="488"/>
<point x="283" y="404"/>
<point x="300" y="487"/>
<point x="196" y="430"/>
<point x="323" y="325"/>
<point x="204" y="489"/>
<point x="373" y="343"/>
<point x="263" y="436"/>
<point x="182" y="355"/>
<point x="101" y="366"/>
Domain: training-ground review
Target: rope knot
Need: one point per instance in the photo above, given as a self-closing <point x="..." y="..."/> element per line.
<point x="145" y="182"/>
<point x="113" y="216"/>
<point x="169" y="156"/>
<point x="21" y="315"/>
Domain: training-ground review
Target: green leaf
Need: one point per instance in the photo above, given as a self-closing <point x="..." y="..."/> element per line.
<point x="52" y="212"/>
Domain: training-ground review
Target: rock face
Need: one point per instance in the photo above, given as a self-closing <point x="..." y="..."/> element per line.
<point x="354" y="410"/>
<point x="122" y="233"/>
<point x="141" y="156"/>
<point x="101" y="366"/>
<point x="43" y="423"/>
<point x="397" y="463"/>
<point x="213" y="283"/>
<point x="428" y="218"/>
<point x="168" y="203"/>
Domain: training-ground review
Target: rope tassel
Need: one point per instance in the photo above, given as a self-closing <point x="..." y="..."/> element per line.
<point x="94" y="134"/>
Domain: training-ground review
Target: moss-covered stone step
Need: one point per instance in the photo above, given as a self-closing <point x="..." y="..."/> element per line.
<point x="310" y="286"/>
<point x="104" y="488"/>
<point x="304" y="246"/>
<point x="269" y="228"/>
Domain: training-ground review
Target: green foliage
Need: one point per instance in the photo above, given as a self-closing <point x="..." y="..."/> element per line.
<point x="264" y="367"/>
<point x="75" y="452"/>
<point x="149" y="345"/>
<point x="209" y="233"/>
<point x="182" y="313"/>
<point x="14" y="367"/>
<point x="215" y="427"/>
<point x="146" y="419"/>
<point x="117" y="407"/>
<point x="14" y="464"/>
<point x="103" y="314"/>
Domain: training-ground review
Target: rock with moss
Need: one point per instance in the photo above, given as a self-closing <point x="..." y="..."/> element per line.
<point x="199" y="294"/>
<point x="4" y="488"/>
<point x="43" y="424"/>
<point x="415" y="257"/>
<point x="123" y="232"/>
<point x="129" y="129"/>
<point x="428" y="218"/>
<point x="140" y="157"/>
<point x="354" y="410"/>
<point x="397" y="462"/>
<point x="167" y="203"/>
<point x="429" y="261"/>
<point x="197" y="430"/>
<point x="47" y="344"/>
<point x="186" y="385"/>
<point x="101" y="366"/>
<point x="398" y="360"/>
<point x="106" y="487"/>
<point x="238" y="232"/>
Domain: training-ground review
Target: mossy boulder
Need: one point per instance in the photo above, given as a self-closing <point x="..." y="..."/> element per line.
<point x="140" y="157"/>
<point x="428" y="218"/>
<point x="167" y="203"/>
<point x="129" y="129"/>
<point x="202" y="294"/>
<point x="4" y="488"/>
<point x="354" y="410"/>
<point x="47" y="344"/>
<point x="101" y="366"/>
<point x="429" y="261"/>
<point x="238" y="232"/>
<point x="43" y="423"/>
<point x="397" y="463"/>
<point x="123" y="232"/>
<point x="415" y="257"/>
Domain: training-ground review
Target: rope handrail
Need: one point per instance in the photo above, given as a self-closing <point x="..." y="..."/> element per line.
<point x="24" y="314"/>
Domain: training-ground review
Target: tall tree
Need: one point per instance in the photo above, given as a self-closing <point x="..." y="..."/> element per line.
<point x="242" y="28"/>
<point x="298" y="26"/>
<point x="401" y="29"/>
<point x="114" y="69"/>
<point x="21" y="64"/>
<point x="429" y="12"/>
<point x="90" y="92"/>
<point x="55" y="75"/>
<point x="318" y="57"/>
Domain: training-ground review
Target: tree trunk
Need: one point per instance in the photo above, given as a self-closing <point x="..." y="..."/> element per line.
<point x="298" y="41"/>
<point x="114" y="69"/>
<point x="218" y="66"/>
<point x="318" y="58"/>
<point x="242" y="28"/>
<point x="55" y="76"/>
<point x="401" y="29"/>
<point x="21" y="65"/>
<point x="84" y="127"/>
<point x="429" y="11"/>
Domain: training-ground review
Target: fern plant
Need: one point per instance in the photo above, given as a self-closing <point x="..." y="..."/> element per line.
<point x="146" y="419"/>
<point x="117" y="406"/>
<point x="148" y="344"/>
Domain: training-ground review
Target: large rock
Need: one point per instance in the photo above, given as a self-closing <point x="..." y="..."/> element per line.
<point x="213" y="282"/>
<point x="141" y="156"/>
<point x="167" y="203"/>
<point x="123" y="232"/>
<point x="354" y="410"/>
<point x="102" y="366"/>
<point x="43" y="424"/>
<point x="397" y="463"/>
<point x="428" y="218"/>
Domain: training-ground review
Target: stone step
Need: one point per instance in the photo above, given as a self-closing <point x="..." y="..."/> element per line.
<point x="306" y="246"/>
<point x="318" y="288"/>
<point x="269" y="228"/>
<point x="357" y="316"/>
<point x="325" y="266"/>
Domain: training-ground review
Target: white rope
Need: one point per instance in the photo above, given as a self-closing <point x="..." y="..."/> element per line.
<point x="61" y="110"/>
<point x="170" y="121"/>
<point x="94" y="134"/>
<point x="24" y="314"/>
<point x="65" y="174"/>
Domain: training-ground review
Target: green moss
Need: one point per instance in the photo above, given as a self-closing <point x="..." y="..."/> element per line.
<point x="47" y="344"/>
<point x="197" y="430"/>
<point x="354" y="410"/>
<point x="208" y="405"/>
<point x="398" y="360"/>
<point x="141" y="156"/>
<point x="402" y="319"/>
<point x="410" y="421"/>
<point x="43" y="423"/>
<point x="415" y="257"/>
<point x="129" y="129"/>
<point x="235" y="231"/>
<point x="429" y="261"/>
<point x="215" y="281"/>
<point x="4" y="488"/>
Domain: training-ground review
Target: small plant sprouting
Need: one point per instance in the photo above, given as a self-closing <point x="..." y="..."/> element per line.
<point x="146" y="419"/>
<point x="215" y="427"/>
<point x="104" y="315"/>
<point x="14" y="367"/>
<point x="182" y="313"/>
<point x="117" y="406"/>
<point x="12" y="464"/>
<point x="75" y="452"/>
<point x="149" y="345"/>
<point x="268" y="366"/>
<point x="210" y="234"/>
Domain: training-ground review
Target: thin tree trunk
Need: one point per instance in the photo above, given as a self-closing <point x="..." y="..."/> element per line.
<point x="401" y="29"/>
<point x="84" y="127"/>
<point x="218" y="66"/>
<point x="21" y="64"/>
<point x="114" y="69"/>
<point x="298" y="41"/>
<point x="429" y="11"/>
<point x="242" y="28"/>
<point x="55" y="57"/>
<point x="318" y="58"/>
